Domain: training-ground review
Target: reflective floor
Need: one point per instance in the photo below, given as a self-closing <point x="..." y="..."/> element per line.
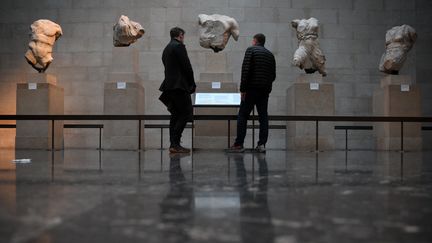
<point x="281" y="197"/>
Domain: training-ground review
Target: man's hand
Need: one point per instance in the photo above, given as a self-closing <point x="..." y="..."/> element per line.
<point x="243" y="95"/>
<point x="193" y="89"/>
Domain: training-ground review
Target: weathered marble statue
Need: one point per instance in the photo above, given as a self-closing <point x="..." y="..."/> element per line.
<point x="42" y="37"/>
<point x="308" y="56"/>
<point x="215" y="31"/>
<point x="126" y="32"/>
<point x="399" y="41"/>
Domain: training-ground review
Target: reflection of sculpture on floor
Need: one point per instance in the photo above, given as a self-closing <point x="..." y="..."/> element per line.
<point x="42" y="37"/>
<point x="126" y="32"/>
<point x="399" y="41"/>
<point x="215" y="31"/>
<point x="308" y="56"/>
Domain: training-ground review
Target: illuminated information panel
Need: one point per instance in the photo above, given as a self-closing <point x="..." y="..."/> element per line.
<point x="217" y="99"/>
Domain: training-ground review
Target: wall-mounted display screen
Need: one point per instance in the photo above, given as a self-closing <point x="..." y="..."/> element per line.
<point x="217" y="99"/>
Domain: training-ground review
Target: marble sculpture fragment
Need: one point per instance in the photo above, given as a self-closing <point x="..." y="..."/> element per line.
<point x="126" y="32"/>
<point x="308" y="56"/>
<point x="215" y="31"/>
<point x="399" y="41"/>
<point x="43" y="35"/>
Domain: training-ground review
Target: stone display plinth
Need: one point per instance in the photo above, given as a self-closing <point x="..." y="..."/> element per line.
<point x="213" y="134"/>
<point x="39" y="96"/>
<point x="397" y="96"/>
<point x="123" y="95"/>
<point x="310" y="96"/>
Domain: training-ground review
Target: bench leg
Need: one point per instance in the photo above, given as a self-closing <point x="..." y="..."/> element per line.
<point x="139" y="134"/>
<point x="192" y="135"/>
<point x="346" y="139"/>
<point x="100" y="138"/>
<point x="229" y="132"/>
<point x="316" y="136"/>
<point x="402" y="137"/>
<point x="253" y="127"/>
<point x="52" y="135"/>
<point x="161" y="145"/>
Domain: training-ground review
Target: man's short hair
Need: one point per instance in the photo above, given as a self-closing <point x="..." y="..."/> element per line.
<point x="260" y="38"/>
<point x="176" y="32"/>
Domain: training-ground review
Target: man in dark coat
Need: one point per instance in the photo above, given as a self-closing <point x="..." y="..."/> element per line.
<point x="177" y="87"/>
<point x="258" y="74"/>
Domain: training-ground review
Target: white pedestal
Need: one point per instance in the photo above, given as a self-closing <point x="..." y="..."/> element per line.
<point x="123" y="95"/>
<point x="310" y="96"/>
<point x="391" y="100"/>
<point x="40" y="96"/>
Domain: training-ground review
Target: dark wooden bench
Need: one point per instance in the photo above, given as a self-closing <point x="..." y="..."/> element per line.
<point x="346" y="128"/>
<point x="165" y="126"/>
<point x="86" y="126"/>
<point x="7" y="126"/>
<point x="150" y="126"/>
<point x="99" y="126"/>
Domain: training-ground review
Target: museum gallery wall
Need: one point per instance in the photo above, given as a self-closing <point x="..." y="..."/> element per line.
<point x="352" y="46"/>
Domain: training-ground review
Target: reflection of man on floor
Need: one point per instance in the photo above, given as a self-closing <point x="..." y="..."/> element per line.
<point x="255" y="216"/>
<point x="178" y="206"/>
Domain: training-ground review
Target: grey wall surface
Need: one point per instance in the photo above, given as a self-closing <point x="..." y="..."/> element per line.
<point x="352" y="38"/>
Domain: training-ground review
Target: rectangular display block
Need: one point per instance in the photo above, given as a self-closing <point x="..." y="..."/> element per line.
<point x="392" y="99"/>
<point x="46" y="99"/>
<point x="303" y="100"/>
<point x="129" y="100"/>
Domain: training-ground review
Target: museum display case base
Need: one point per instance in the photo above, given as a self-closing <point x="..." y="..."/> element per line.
<point x="40" y="95"/>
<point x="398" y="96"/>
<point x="309" y="95"/>
<point x="123" y="95"/>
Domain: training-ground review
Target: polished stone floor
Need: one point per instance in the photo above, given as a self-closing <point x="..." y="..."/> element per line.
<point x="281" y="197"/>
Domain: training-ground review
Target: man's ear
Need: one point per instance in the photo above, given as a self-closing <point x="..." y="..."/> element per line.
<point x="234" y="29"/>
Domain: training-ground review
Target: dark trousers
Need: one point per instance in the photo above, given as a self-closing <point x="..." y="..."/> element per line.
<point x="260" y="100"/>
<point x="181" y="112"/>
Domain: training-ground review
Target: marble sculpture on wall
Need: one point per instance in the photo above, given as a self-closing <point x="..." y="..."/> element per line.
<point x="126" y="32"/>
<point x="43" y="35"/>
<point x="215" y="31"/>
<point x="308" y="56"/>
<point x="399" y="41"/>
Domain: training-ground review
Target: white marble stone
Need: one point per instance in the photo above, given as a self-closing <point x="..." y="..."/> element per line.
<point x="215" y="31"/>
<point x="399" y="41"/>
<point x="43" y="35"/>
<point x="126" y="32"/>
<point x="309" y="55"/>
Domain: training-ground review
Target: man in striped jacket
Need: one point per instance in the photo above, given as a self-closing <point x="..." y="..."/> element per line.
<point x="258" y="74"/>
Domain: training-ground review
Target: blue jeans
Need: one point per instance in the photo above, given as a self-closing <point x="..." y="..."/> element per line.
<point x="260" y="100"/>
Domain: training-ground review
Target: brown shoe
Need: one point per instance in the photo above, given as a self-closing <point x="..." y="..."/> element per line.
<point x="179" y="150"/>
<point x="235" y="149"/>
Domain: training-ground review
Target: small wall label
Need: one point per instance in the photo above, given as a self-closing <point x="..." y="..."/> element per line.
<point x="405" y="88"/>
<point x="314" y="86"/>
<point x="32" y="86"/>
<point x="121" y="85"/>
<point x="216" y="85"/>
